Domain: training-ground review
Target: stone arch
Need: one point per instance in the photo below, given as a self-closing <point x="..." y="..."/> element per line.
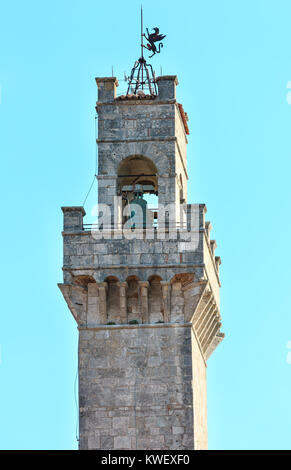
<point x="82" y="280"/>
<point x="183" y="278"/>
<point x="137" y="169"/>
<point x="163" y="156"/>
<point x="111" y="279"/>
<point x="137" y="173"/>
<point x="160" y="153"/>
<point x="155" y="299"/>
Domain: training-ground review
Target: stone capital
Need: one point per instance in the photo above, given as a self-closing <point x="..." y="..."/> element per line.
<point x="102" y="285"/>
<point x="122" y="284"/>
<point x="143" y="283"/>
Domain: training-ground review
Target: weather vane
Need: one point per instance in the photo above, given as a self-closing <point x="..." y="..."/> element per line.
<point x="152" y="38"/>
<point x="142" y="76"/>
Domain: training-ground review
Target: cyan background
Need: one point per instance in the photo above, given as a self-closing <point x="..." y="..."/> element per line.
<point x="233" y="62"/>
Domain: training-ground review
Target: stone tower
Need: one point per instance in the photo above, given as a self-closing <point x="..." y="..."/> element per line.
<point x="143" y="287"/>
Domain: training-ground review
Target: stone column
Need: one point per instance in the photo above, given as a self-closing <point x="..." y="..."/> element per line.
<point x="93" y="304"/>
<point x="102" y="286"/>
<point x="166" y="293"/>
<point x="123" y="306"/>
<point x="144" y="303"/>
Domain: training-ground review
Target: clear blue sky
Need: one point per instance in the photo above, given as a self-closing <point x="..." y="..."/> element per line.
<point x="233" y="60"/>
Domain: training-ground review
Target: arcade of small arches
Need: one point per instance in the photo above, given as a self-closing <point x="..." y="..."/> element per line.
<point x="134" y="301"/>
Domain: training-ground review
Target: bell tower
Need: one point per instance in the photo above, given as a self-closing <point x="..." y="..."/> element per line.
<point x="142" y="283"/>
<point x="142" y="139"/>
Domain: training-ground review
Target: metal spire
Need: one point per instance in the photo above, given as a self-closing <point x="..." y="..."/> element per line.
<point x="142" y="77"/>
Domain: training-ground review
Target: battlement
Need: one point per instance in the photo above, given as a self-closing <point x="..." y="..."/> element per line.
<point x="107" y="87"/>
<point x="164" y="252"/>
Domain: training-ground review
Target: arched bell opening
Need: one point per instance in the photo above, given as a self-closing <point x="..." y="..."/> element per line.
<point x="138" y="187"/>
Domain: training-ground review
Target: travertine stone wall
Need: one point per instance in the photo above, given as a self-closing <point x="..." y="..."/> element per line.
<point x="135" y="388"/>
<point x="199" y="394"/>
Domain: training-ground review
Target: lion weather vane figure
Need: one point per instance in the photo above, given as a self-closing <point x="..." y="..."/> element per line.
<point x="152" y="38"/>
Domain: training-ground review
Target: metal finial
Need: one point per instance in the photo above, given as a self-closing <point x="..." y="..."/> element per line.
<point x="142" y="75"/>
<point x="141" y="30"/>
